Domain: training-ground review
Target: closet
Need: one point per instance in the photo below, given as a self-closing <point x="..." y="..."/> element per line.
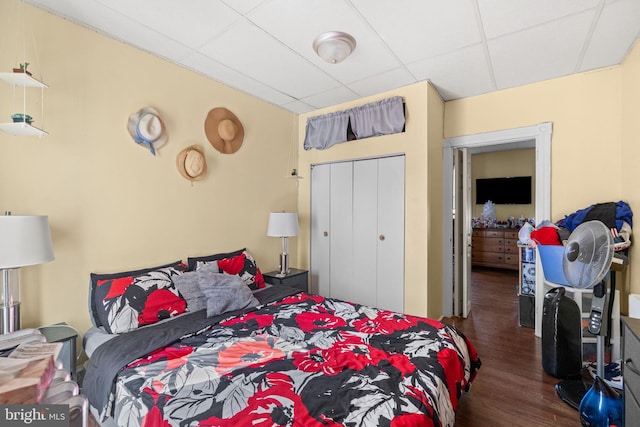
<point x="357" y="231"/>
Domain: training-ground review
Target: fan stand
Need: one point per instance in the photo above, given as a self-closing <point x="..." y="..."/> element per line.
<point x="572" y="391"/>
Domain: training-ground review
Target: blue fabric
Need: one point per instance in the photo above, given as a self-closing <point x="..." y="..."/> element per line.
<point x="623" y="214"/>
<point x="140" y="139"/>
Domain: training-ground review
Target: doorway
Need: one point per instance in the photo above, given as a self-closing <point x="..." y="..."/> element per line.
<point x="456" y="280"/>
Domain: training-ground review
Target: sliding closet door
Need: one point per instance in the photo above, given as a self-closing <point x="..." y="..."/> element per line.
<point x="320" y="228"/>
<point x="365" y="229"/>
<point x="341" y="234"/>
<point x="390" y="234"/>
<point x="357" y="231"/>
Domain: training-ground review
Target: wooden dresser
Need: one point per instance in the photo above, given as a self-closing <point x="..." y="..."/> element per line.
<point x="495" y="247"/>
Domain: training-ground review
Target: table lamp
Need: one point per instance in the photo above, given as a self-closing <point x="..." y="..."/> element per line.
<point x="284" y="225"/>
<point x="24" y="240"/>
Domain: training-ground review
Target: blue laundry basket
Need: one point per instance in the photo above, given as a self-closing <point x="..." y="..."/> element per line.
<point x="551" y="260"/>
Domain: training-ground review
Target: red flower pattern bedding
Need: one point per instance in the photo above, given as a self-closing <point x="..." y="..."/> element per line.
<point x="301" y="360"/>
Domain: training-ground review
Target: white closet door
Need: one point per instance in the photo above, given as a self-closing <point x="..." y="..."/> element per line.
<point x="357" y="231"/>
<point x="341" y="235"/>
<point x="365" y="228"/>
<point x="390" y="233"/>
<point x="320" y="229"/>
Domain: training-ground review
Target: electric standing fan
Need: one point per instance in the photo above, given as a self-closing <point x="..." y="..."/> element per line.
<point x="586" y="261"/>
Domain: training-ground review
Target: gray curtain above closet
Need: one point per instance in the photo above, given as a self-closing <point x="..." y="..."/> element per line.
<point x="382" y="117"/>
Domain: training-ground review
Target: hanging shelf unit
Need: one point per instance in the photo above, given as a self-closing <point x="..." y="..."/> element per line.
<point x="293" y="155"/>
<point x="25" y="81"/>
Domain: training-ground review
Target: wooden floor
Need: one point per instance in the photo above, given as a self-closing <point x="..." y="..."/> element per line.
<point x="511" y="388"/>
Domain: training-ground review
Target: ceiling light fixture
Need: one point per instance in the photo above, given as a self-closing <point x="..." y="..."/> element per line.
<point x="334" y="46"/>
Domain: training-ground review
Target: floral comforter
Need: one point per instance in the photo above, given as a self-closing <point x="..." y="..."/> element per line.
<point x="302" y="360"/>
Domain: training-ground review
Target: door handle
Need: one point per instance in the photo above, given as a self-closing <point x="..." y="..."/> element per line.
<point x="381" y="237"/>
<point x="325" y="234"/>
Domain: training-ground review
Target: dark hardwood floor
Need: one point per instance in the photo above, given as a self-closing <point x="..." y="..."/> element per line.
<point x="511" y="388"/>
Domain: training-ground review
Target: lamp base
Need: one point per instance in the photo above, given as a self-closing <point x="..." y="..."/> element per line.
<point x="284" y="264"/>
<point x="14" y="318"/>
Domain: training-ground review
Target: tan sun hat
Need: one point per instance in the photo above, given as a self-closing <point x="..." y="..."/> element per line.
<point x="191" y="163"/>
<point x="147" y="129"/>
<point x="224" y="131"/>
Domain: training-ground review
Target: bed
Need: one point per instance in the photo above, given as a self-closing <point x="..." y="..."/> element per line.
<point x="241" y="353"/>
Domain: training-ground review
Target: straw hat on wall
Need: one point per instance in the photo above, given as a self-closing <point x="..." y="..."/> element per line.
<point x="223" y="130"/>
<point x="191" y="163"/>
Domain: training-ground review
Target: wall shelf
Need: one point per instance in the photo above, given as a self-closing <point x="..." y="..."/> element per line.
<point x="24" y="81"/>
<point x="21" y="129"/>
<point x="21" y="79"/>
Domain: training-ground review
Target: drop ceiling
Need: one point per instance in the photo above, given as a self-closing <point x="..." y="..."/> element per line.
<point x="463" y="47"/>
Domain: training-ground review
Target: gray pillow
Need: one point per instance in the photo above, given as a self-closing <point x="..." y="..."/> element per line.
<point x="187" y="285"/>
<point x="225" y="292"/>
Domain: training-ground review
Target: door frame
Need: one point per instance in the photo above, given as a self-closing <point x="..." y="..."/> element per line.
<point x="536" y="136"/>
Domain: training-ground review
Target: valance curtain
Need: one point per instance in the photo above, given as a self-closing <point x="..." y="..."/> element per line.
<point x="326" y="130"/>
<point x="376" y="118"/>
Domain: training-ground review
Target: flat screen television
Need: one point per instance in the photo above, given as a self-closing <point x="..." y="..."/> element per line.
<point x="514" y="190"/>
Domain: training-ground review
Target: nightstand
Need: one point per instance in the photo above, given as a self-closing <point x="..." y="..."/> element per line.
<point x="61" y="332"/>
<point x="295" y="278"/>
<point x="630" y="372"/>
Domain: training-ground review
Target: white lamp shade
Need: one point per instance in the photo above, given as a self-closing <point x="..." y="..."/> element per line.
<point x="282" y="224"/>
<point x="24" y="240"/>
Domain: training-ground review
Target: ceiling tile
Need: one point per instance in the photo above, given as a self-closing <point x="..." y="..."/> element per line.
<point x="544" y="52"/>
<point x="464" y="72"/>
<point x="246" y="47"/>
<point x="383" y="82"/>
<point x="298" y="107"/>
<point x="176" y="21"/>
<point x="303" y="22"/>
<point x="243" y="6"/>
<point x="614" y="35"/>
<point x="501" y="17"/>
<point x="219" y="72"/>
<point x="417" y="29"/>
<point x="75" y="10"/>
<point x="327" y="98"/>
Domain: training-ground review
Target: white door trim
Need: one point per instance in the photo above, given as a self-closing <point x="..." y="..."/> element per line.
<point x="536" y="136"/>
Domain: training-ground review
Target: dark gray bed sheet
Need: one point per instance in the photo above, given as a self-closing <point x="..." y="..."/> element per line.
<point x="114" y="354"/>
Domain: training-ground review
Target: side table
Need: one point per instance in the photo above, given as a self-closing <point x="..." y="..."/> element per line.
<point x="296" y="278"/>
<point x="61" y="332"/>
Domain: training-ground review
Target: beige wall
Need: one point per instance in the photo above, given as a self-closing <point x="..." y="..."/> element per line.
<point x="594" y="147"/>
<point x="628" y="158"/>
<point x="112" y="205"/>
<point x="500" y="164"/>
<point x="585" y="112"/>
<point x="421" y="141"/>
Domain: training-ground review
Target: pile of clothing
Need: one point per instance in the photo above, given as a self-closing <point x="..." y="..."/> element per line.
<point x="617" y="216"/>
